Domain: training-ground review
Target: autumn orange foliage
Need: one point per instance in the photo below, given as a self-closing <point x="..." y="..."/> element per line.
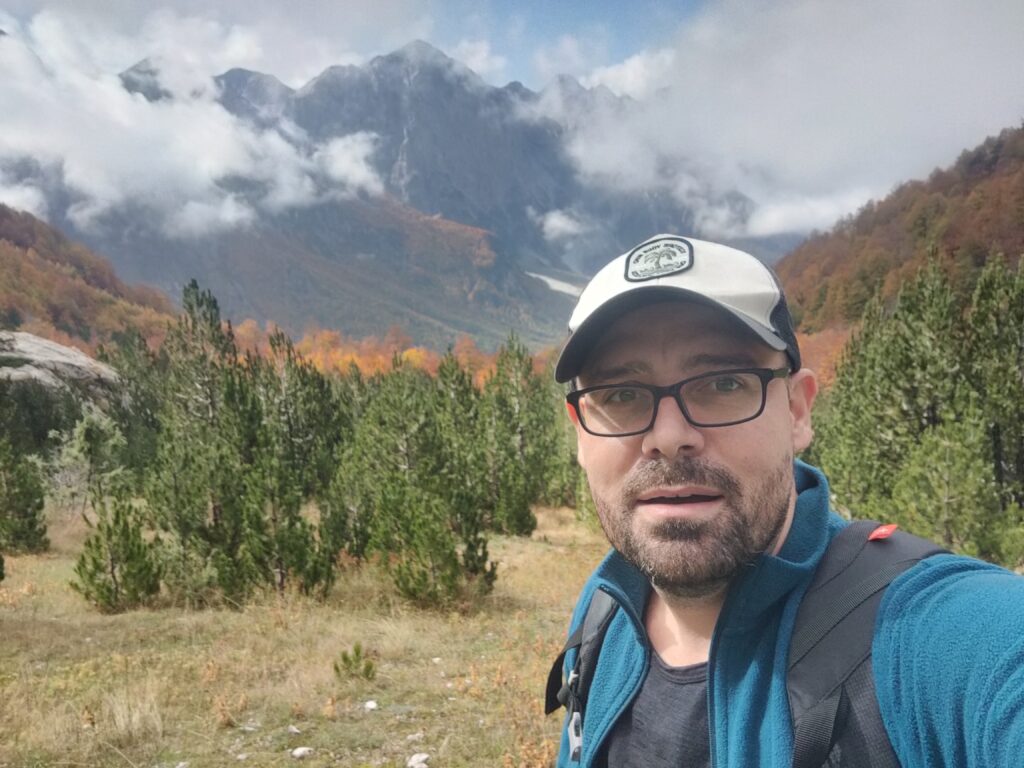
<point x="820" y="352"/>
<point x="958" y="217"/>
<point x="61" y="290"/>
<point x="332" y="351"/>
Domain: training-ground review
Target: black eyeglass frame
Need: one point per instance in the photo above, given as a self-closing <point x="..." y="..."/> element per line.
<point x="765" y="375"/>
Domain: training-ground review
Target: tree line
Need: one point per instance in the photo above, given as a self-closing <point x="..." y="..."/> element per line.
<point x="217" y="474"/>
<point x="924" y="424"/>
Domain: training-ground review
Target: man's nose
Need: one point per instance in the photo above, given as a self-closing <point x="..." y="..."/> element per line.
<point x="671" y="432"/>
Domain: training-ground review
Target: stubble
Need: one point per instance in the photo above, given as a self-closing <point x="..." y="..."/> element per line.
<point x="697" y="558"/>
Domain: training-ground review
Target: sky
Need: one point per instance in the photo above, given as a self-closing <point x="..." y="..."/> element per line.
<point x="808" y="107"/>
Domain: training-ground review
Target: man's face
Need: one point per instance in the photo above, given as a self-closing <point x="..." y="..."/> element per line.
<point x="689" y="505"/>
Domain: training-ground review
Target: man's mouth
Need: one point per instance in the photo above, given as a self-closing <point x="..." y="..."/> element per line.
<point x="695" y="498"/>
<point x="680" y="496"/>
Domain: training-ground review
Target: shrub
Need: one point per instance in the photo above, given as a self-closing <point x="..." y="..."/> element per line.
<point x="118" y="569"/>
<point x="22" y="526"/>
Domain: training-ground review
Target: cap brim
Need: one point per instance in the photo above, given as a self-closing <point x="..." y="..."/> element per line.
<point x="579" y="345"/>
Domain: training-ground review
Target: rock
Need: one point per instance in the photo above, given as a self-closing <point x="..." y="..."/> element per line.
<point x="419" y="760"/>
<point x="418" y="736"/>
<point x="370" y="705"/>
<point x="24" y="357"/>
<point x="301" y="753"/>
<point x="294" y="730"/>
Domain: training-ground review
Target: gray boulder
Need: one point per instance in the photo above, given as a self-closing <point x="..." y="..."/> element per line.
<point x="25" y="357"/>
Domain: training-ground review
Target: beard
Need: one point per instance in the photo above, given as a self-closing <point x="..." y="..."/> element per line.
<point x="697" y="558"/>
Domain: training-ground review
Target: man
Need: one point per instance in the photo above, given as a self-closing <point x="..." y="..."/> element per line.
<point x="690" y="403"/>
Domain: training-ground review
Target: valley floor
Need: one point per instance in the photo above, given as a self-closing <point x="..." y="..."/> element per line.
<point x="174" y="688"/>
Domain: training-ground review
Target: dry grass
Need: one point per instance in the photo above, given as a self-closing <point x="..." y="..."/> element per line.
<point x="157" y="688"/>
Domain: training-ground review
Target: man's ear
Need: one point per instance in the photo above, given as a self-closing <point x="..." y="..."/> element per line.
<point x="574" y="417"/>
<point x="803" y="388"/>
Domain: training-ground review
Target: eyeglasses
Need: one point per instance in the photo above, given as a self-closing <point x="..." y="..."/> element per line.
<point x="714" y="399"/>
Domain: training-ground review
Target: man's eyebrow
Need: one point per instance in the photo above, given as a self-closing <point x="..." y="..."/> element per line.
<point x="605" y="373"/>
<point x="736" y="359"/>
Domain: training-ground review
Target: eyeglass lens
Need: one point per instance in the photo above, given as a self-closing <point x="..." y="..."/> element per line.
<point x="715" y="399"/>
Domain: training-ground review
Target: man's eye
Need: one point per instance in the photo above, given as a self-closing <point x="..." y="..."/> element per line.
<point x="621" y="396"/>
<point x="726" y="384"/>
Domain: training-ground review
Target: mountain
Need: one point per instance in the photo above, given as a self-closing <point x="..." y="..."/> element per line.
<point x="959" y="216"/>
<point x="406" y="191"/>
<point x="58" y="289"/>
<point x="477" y="191"/>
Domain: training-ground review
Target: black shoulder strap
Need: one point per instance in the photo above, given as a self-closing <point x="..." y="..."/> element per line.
<point x="572" y="694"/>
<point x="833" y="634"/>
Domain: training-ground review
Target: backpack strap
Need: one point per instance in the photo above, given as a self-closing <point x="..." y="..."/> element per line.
<point x="831" y="691"/>
<point x="572" y="694"/>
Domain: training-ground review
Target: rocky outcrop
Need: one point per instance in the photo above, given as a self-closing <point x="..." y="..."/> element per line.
<point x="24" y="357"/>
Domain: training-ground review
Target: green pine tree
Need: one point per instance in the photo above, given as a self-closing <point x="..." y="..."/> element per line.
<point x="198" y="489"/>
<point x="895" y="378"/>
<point x="994" y="363"/>
<point x="136" y="407"/>
<point x="301" y="422"/>
<point x="22" y="525"/>
<point x="520" y="438"/>
<point x="945" y="491"/>
<point x="389" y="495"/>
<point x="928" y="393"/>
<point x="118" y="568"/>
<point x="463" y="466"/>
<point x="566" y="479"/>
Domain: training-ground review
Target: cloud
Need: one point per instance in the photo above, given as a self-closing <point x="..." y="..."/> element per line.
<point x="639" y="76"/>
<point x="806" y="107"/>
<point x="23" y="195"/>
<point x="477" y="55"/>
<point x="805" y="213"/>
<point x="293" y="43"/>
<point x="569" y="55"/>
<point x="184" y="159"/>
<point x="559" y="224"/>
<point x="347" y="160"/>
<point x="198" y="217"/>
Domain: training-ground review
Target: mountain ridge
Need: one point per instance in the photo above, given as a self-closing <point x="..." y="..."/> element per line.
<point x="959" y="217"/>
<point x="58" y="289"/>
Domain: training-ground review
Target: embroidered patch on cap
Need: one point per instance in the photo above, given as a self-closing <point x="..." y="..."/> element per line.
<point x="658" y="258"/>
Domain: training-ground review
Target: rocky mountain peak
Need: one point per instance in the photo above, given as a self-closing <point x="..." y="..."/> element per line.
<point x="254" y="95"/>
<point x="144" y="78"/>
<point x="420" y="57"/>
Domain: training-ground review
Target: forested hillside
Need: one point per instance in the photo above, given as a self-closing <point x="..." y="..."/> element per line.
<point x="61" y="290"/>
<point x="959" y="217"/>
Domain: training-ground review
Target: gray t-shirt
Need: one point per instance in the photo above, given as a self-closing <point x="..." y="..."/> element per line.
<point x="667" y="723"/>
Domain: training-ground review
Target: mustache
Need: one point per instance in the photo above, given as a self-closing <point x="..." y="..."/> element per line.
<point x="685" y="471"/>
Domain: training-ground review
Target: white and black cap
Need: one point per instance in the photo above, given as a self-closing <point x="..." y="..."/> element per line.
<point x="672" y="267"/>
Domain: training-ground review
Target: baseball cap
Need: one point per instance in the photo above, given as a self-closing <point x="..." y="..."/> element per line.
<point x="672" y="267"/>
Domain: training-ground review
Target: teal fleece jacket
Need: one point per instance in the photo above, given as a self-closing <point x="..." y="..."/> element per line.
<point x="948" y="653"/>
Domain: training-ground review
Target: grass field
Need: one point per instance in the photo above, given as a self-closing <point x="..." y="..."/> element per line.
<point x="215" y="688"/>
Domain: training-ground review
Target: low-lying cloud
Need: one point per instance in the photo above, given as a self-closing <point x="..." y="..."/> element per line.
<point x="183" y="158"/>
<point x="808" y="108"/>
<point x="758" y="118"/>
